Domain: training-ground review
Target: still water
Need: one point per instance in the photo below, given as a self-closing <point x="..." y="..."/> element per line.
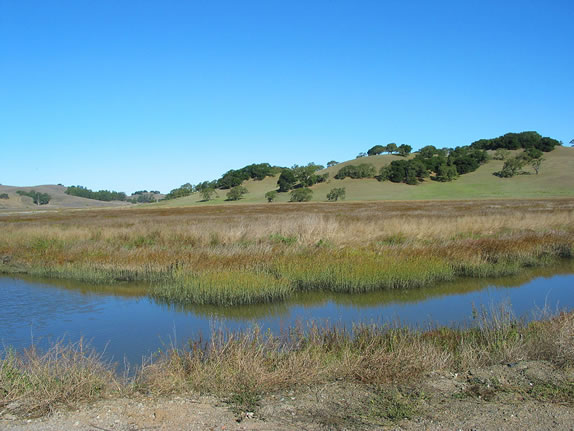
<point x="122" y="321"/>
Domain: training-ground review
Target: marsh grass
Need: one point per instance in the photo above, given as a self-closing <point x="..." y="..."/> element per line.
<point x="243" y="367"/>
<point x="374" y="355"/>
<point x="360" y="271"/>
<point x="223" y="288"/>
<point x="33" y="383"/>
<point x="262" y="253"/>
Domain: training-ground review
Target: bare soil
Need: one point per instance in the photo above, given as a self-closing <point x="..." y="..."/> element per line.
<point x="528" y="395"/>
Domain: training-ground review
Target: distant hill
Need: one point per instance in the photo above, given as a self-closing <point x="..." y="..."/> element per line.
<point x="556" y="179"/>
<point x="59" y="199"/>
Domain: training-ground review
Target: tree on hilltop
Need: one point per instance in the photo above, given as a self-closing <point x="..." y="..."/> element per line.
<point x="404" y="150"/>
<point x="376" y="150"/>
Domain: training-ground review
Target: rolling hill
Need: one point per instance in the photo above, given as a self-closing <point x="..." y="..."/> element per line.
<point x="59" y="199"/>
<point x="556" y="179"/>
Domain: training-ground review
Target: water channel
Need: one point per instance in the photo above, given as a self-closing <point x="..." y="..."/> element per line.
<point x="122" y="321"/>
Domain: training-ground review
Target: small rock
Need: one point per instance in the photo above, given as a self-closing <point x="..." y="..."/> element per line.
<point x="13" y="405"/>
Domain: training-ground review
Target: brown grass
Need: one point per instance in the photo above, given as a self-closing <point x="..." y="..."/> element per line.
<point x="374" y="355"/>
<point x="244" y="366"/>
<point x="473" y="238"/>
<point x="34" y="382"/>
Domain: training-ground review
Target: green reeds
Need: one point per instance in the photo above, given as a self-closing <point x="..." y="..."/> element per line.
<point x="361" y="271"/>
<point x="230" y="287"/>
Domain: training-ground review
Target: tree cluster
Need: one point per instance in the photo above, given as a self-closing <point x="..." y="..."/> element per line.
<point x="145" y="192"/>
<point x="392" y="148"/>
<point x="516" y="141"/>
<point x="442" y="165"/>
<point x="235" y="177"/>
<point x="364" y="170"/>
<point x="513" y="166"/>
<point x="37" y="197"/>
<point x="181" y="191"/>
<point x="300" y="176"/>
<point x="4" y="196"/>
<point x="143" y="198"/>
<point x="101" y="195"/>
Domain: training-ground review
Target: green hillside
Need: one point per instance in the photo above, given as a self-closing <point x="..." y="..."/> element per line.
<point x="556" y="179"/>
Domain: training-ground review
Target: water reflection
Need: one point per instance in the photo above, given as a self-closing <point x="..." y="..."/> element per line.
<point x="123" y="320"/>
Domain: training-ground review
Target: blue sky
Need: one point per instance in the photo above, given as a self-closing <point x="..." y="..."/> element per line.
<point x="151" y="94"/>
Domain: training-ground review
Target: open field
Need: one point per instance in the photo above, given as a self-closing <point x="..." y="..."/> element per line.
<point x="555" y="179"/>
<point x="244" y="254"/>
<point x="500" y="374"/>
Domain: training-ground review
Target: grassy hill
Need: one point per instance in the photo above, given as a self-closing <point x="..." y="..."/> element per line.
<point x="59" y="199"/>
<point x="556" y="179"/>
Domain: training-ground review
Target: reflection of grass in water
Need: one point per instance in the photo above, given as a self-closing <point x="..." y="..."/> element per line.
<point x="315" y="298"/>
<point x="126" y="290"/>
<point x="370" y="299"/>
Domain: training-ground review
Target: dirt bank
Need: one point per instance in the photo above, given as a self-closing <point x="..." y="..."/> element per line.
<point x="527" y="395"/>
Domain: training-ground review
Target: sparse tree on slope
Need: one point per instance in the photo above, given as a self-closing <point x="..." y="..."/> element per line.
<point x="336" y="194"/>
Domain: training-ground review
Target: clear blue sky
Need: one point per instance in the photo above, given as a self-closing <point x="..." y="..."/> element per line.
<point x="151" y="94"/>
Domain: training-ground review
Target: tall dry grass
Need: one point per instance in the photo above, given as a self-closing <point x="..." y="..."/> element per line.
<point x="250" y="253"/>
<point x="260" y="362"/>
<point x="34" y="382"/>
<point x="249" y="364"/>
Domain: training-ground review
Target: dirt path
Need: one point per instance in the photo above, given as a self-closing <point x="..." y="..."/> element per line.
<point x="521" y="396"/>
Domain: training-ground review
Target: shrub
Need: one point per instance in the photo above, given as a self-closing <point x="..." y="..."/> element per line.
<point x="207" y="194"/>
<point x="364" y="170"/>
<point x="301" y="195"/>
<point x="336" y="193"/>
<point x="501" y="154"/>
<point x="236" y="193"/>
<point x="511" y="167"/>
<point x="4" y="196"/>
<point x="271" y="196"/>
